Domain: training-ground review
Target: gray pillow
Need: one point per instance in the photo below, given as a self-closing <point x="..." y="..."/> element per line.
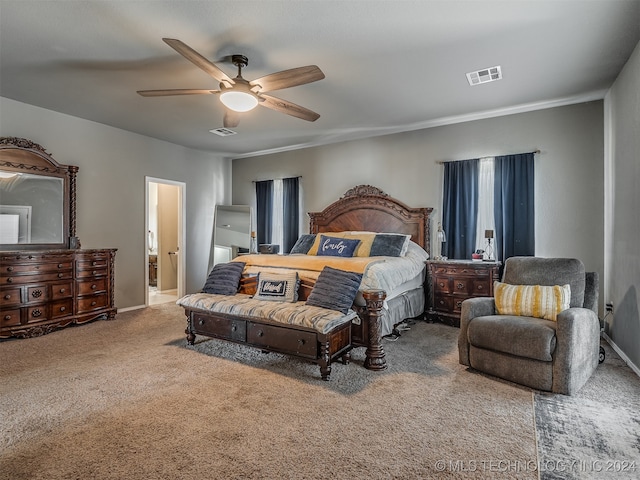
<point x="335" y="289"/>
<point x="389" y="245"/>
<point x="304" y="243"/>
<point x="224" y="278"/>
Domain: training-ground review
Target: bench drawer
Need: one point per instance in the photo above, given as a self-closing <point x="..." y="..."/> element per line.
<point x="286" y="340"/>
<point x="220" y="327"/>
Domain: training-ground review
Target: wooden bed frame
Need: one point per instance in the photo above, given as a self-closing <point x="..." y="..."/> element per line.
<point x="362" y="208"/>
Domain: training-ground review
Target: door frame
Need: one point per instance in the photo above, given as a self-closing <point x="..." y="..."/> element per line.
<point x="181" y="233"/>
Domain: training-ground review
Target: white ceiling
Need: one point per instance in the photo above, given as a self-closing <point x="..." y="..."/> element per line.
<point x="390" y="66"/>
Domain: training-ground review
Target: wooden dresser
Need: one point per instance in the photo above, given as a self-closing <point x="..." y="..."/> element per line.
<point x="450" y="282"/>
<point x="43" y="290"/>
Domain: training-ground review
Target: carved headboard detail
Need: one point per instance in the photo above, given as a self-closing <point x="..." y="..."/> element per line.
<point x="367" y="208"/>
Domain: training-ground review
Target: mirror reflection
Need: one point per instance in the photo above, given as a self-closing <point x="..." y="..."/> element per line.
<point x="231" y="232"/>
<point x="31" y="208"/>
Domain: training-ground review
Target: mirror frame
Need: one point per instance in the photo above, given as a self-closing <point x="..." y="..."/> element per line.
<point x="24" y="156"/>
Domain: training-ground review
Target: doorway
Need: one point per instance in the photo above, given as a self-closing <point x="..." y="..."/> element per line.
<point x="165" y="240"/>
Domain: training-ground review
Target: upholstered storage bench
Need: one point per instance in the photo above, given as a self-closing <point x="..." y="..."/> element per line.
<point x="311" y="333"/>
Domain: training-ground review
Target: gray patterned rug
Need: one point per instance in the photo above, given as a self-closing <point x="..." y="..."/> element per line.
<point x="594" y="434"/>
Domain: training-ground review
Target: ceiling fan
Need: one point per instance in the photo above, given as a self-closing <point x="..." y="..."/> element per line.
<point x="239" y="95"/>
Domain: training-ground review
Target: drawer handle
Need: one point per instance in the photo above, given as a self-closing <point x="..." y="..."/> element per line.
<point x="7" y="317"/>
<point x="94" y="286"/>
<point x="441" y="284"/>
<point x="459" y="304"/>
<point x="93" y="272"/>
<point x="30" y="257"/>
<point x="301" y="341"/>
<point x="9" y="280"/>
<point x="62" y="290"/>
<point x="480" y="287"/>
<point x="94" y="263"/>
<point x="7" y="297"/>
<point x="233" y="328"/>
<point x="260" y="333"/>
<point x="36" y="313"/>
<point x="441" y="302"/>
<point x="460" y="286"/>
<point x="201" y="321"/>
<point x="62" y="309"/>
<point x="36" y="293"/>
<point x="60" y="265"/>
<point x="93" y="304"/>
<point x="60" y="275"/>
<point x="10" y="269"/>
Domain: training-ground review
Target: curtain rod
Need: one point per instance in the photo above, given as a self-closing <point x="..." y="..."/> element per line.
<point x="283" y="178"/>
<point x="484" y="156"/>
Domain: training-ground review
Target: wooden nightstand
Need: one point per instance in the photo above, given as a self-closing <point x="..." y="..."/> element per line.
<point x="450" y="282"/>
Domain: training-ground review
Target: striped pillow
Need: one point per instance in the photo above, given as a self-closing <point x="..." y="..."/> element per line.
<point x="531" y="300"/>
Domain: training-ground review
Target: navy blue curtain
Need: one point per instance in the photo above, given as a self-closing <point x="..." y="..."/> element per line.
<point x="514" y="205"/>
<point x="460" y="208"/>
<point x="264" y="209"/>
<point x="291" y="213"/>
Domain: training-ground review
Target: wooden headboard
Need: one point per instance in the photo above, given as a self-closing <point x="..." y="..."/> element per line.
<point x="367" y="208"/>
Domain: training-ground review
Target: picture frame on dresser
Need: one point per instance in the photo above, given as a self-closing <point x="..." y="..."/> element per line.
<point x="450" y="282"/>
<point x="47" y="281"/>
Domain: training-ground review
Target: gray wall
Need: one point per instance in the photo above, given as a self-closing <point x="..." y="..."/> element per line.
<point x="569" y="184"/>
<point x="623" y="209"/>
<point x="111" y="188"/>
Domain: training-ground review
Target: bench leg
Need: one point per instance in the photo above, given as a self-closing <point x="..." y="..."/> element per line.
<point x="346" y="358"/>
<point x="325" y="360"/>
<point x="191" y="337"/>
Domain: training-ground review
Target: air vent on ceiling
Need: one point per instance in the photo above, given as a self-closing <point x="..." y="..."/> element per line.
<point x="223" y="132"/>
<point x="485" y="75"/>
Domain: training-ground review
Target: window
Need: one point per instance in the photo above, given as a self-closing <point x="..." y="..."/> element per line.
<point x="494" y="194"/>
<point x="278" y="207"/>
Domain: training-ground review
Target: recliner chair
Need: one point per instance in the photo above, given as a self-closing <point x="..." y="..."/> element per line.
<point x="557" y="356"/>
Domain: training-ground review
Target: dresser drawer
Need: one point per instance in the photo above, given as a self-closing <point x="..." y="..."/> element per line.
<point x="35" y="268"/>
<point x="38" y="277"/>
<point x="9" y="318"/>
<point x="220" y="327"/>
<point x="10" y="296"/>
<point x="92" y="272"/>
<point x="61" y="290"/>
<point x="93" y="302"/>
<point x="62" y="308"/>
<point x="37" y="313"/>
<point x="37" y="293"/>
<point x="284" y="339"/>
<point x="95" y="285"/>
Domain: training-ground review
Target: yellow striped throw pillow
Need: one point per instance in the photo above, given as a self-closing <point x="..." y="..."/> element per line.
<point x="531" y="300"/>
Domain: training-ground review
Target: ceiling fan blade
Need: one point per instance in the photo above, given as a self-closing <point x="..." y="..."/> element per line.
<point x="231" y="118"/>
<point x="288" y="78"/>
<point x="290" y="108"/>
<point x="175" y="91"/>
<point x="198" y="60"/>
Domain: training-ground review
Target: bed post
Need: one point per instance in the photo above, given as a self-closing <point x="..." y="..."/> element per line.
<point x="375" y="357"/>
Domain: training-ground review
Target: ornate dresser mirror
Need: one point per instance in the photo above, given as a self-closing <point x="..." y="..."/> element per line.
<point x="37" y="198"/>
<point x="46" y="280"/>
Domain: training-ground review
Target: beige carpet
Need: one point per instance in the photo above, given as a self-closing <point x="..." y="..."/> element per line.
<point x="127" y="399"/>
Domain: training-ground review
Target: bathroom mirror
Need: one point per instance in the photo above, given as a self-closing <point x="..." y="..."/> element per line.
<point x="231" y="232"/>
<point x="37" y="198"/>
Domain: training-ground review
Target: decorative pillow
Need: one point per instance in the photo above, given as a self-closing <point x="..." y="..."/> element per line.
<point x="335" y="289"/>
<point x="389" y="245"/>
<point x="277" y="287"/>
<point x="304" y="243"/>
<point x="366" y="239"/>
<point x="531" y="300"/>
<point x="224" y="278"/>
<point x="337" y="247"/>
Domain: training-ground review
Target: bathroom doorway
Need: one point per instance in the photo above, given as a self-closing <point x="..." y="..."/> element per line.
<point x="164" y="248"/>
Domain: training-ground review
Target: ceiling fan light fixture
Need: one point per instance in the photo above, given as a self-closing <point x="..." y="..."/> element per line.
<point x="239" y="101"/>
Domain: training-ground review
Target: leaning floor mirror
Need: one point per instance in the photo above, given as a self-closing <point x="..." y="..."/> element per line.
<point x="231" y="233"/>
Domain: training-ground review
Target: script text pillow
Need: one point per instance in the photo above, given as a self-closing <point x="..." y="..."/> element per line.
<point x="335" y="289"/>
<point x="224" y="278"/>
<point x="531" y="300"/>
<point x="277" y="287"/>
<point x="337" y="247"/>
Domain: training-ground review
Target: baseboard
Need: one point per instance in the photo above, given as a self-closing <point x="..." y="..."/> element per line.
<point x="128" y="309"/>
<point x="624" y="357"/>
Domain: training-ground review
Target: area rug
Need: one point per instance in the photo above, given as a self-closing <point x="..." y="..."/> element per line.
<point x="594" y="434"/>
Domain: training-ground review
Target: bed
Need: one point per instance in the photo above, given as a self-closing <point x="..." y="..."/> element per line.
<point x="382" y="302"/>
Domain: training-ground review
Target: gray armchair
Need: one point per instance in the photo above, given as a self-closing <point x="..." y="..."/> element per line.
<point x="557" y="356"/>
